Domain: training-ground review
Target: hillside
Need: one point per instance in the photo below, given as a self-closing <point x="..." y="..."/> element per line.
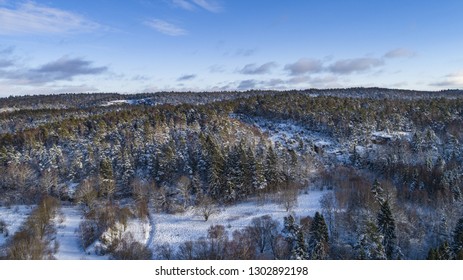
<point x="358" y="173"/>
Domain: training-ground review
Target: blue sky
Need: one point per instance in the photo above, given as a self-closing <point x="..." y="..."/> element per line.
<point x="206" y="45"/>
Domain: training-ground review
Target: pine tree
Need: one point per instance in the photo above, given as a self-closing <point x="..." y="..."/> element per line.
<point x="318" y="239"/>
<point x="370" y="245"/>
<point x="458" y="240"/>
<point x="258" y="173"/>
<point x="271" y="170"/>
<point x="233" y="176"/>
<point x="432" y="254"/>
<point x="107" y="183"/>
<point x="127" y="169"/>
<point x="290" y="228"/>
<point x="386" y="226"/>
<point x="378" y="192"/>
<point x="443" y="252"/>
<point x="76" y="168"/>
<point x="167" y="163"/>
<point x="295" y="237"/>
<point x="248" y="161"/>
<point x="215" y="166"/>
<point x="299" y="251"/>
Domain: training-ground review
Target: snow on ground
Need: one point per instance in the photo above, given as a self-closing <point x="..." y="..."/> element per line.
<point x="14" y="217"/>
<point x="178" y="228"/>
<point x="115" y="102"/>
<point x="67" y="236"/>
<point x="125" y="101"/>
<point x="72" y="188"/>
<point x="7" y="109"/>
<point x="69" y="241"/>
<point x="161" y="228"/>
<point x="289" y="134"/>
<point x="139" y="231"/>
<point x="392" y="135"/>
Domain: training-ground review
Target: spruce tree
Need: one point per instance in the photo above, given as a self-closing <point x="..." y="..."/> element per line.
<point x="458" y="240"/>
<point x="386" y="226"/>
<point x="318" y="240"/>
<point x="370" y="245"/>
<point x="290" y="228"/>
<point x="299" y="251"/>
<point x="259" y="181"/>
<point x="215" y="168"/>
<point x="378" y="192"/>
<point x="271" y="170"/>
<point x="107" y="183"/>
<point x="233" y="172"/>
<point x="248" y="164"/>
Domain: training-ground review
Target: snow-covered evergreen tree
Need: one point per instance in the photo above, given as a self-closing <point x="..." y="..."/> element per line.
<point x="318" y="239"/>
<point x="215" y="165"/>
<point x="272" y="174"/>
<point x="458" y="240"/>
<point x="386" y="226"/>
<point x="370" y="245"/>
<point x="299" y="251"/>
<point x="378" y="192"/>
<point x="107" y="182"/>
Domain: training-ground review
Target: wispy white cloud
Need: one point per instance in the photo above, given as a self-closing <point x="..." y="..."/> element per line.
<point x="165" y="27"/>
<point x="348" y="66"/>
<point x="184" y="4"/>
<point x="186" y="77"/>
<point x="253" y="69"/>
<point x="451" y="80"/>
<point x="400" y="52"/>
<point x="303" y="81"/>
<point x="31" y="18"/>
<point x="209" y="5"/>
<point x="65" y="68"/>
<point x="247" y="84"/>
<point x="304" y="66"/>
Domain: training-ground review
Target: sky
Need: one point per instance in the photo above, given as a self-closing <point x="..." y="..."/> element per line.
<point x="135" y="46"/>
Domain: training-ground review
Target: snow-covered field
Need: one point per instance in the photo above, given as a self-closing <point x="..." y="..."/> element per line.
<point x="13" y="217"/>
<point x="70" y="248"/>
<point x="176" y="229"/>
<point x="67" y="236"/>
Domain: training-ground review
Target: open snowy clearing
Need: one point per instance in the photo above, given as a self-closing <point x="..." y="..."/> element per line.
<point x="173" y="229"/>
<point x="178" y="228"/>
<point x="13" y="217"/>
<point x="67" y="235"/>
<point x="67" y="225"/>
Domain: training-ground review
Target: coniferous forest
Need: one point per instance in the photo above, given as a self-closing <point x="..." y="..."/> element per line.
<point x="382" y="171"/>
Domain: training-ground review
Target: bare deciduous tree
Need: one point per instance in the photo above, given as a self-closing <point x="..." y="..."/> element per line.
<point x="287" y="198"/>
<point x="86" y="192"/>
<point x="184" y="188"/>
<point x="206" y="208"/>
<point x="262" y="230"/>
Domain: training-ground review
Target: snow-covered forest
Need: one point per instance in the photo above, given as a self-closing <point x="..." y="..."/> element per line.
<point x="358" y="173"/>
